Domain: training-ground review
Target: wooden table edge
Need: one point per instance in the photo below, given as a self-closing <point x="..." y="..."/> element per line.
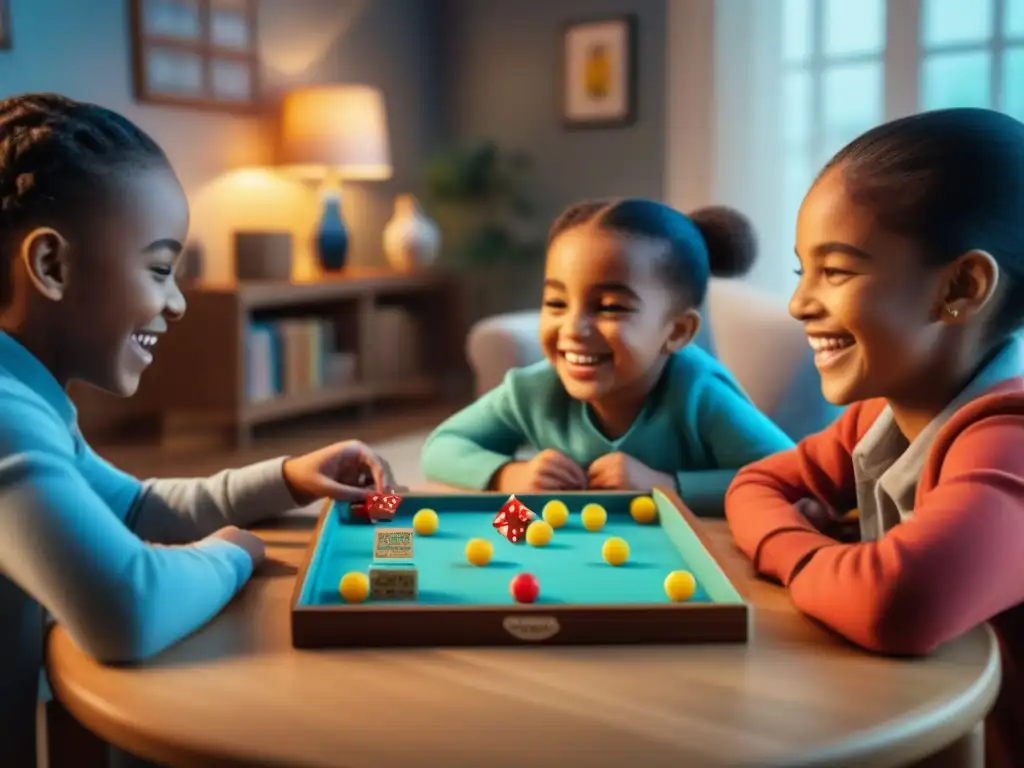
<point x="915" y="737"/>
<point x="922" y="734"/>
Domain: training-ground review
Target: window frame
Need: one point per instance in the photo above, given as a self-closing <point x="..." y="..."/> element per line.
<point x="725" y="134"/>
<point x="996" y="46"/>
<point x="903" y="58"/>
<point x="816" y="66"/>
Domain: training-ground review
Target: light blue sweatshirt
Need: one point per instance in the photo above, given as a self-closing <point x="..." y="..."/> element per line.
<point x="696" y="425"/>
<point x="73" y="543"/>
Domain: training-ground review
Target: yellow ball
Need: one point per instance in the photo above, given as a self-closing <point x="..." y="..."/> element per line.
<point x="425" y="522"/>
<point x="615" y="551"/>
<point x="354" y="587"/>
<point x="479" y="551"/>
<point x="539" y="534"/>
<point x="643" y="509"/>
<point x="594" y="517"/>
<point x="680" y="586"/>
<point x="555" y="514"/>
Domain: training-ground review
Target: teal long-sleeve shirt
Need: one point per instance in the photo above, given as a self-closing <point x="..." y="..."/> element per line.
<point x="696" y="425"/>
<point x="75" y="537"/>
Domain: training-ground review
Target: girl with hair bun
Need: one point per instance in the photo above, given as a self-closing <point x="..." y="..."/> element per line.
<point x="622" y="400"/>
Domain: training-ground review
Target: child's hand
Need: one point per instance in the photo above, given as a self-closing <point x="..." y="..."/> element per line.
<point x="816" y="514"/>
<point x="838" y="527"/>
<point x="250" y="542"/>
<point x="346" y="471"/>
<point x="620" y="472"/>
<point x="547" y="471"/>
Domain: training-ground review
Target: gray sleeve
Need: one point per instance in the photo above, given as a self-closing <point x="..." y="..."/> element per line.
<point x="178" y="510"/>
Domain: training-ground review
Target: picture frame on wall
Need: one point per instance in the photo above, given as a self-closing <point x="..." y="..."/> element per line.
<point x="599" y="72"/>
<point x="196" y="53"/>
<point x="5" y="25"/>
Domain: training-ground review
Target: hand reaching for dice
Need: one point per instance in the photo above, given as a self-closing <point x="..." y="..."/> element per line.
<point x="547" y="471"/>
<point x="621" y="472"/>
<point x="346" y="471"/>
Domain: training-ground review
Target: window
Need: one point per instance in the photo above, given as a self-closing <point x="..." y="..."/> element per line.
<point x="797" y="79"/>
<point x="972" y="54"/>
<point x="832" y="88"/>
<point x="839" y="79"/>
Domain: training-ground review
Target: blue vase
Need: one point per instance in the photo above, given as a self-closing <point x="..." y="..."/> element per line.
<point x="332" y="237"/>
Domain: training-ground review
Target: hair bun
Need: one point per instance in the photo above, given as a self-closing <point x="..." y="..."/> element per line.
<point x="730" y="239"/>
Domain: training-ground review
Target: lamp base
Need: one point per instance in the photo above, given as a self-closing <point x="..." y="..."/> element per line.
<point x="332" y="236"/>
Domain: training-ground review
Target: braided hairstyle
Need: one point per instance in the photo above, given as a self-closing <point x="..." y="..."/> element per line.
<point x="713" y="241"/>
<point x="55" y="155"/>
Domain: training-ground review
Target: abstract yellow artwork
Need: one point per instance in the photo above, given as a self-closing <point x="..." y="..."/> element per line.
<point x="599" y="73"/>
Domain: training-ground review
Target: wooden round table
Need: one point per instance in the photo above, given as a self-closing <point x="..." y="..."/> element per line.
<point x="237" y="693"/>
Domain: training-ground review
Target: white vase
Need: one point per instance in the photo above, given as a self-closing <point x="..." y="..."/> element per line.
<point x="411" y="239"/>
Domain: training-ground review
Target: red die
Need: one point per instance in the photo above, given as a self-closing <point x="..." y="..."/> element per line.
<point x="513" y="519"/>
<point x="358" y="512"/>
<point x="377" y="508"/>
<point x="382" y="507"/>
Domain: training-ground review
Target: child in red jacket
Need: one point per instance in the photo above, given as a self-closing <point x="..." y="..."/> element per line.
<point x="911" y="249"/>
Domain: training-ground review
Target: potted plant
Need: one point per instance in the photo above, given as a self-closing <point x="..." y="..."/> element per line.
<point x="478" y="195"/>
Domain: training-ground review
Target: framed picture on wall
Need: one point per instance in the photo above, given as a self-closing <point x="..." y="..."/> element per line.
<point x="599" y="72"/>
<point x="196" y="53"/>
<point x="5" y="24"/>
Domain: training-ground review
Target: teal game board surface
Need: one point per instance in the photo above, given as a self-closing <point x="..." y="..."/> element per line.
<point x="583" y="599"/>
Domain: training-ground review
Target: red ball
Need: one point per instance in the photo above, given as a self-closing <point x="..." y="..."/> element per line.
<point x="525" y="588"/>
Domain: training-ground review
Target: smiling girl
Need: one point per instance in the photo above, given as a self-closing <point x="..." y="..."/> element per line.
<point x="622" y="400"/>
<point x="92" y="218"/>
<point x="911" y="249"/>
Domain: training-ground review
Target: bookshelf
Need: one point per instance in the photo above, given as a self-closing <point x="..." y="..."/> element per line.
<point x="248" y="354"/>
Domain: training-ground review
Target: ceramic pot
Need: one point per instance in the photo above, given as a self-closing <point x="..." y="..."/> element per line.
<point x="411" y="239"/>
<point x="332" y="236"/>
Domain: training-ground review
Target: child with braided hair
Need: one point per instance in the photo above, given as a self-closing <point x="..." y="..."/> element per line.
<point x="92" y="222"/>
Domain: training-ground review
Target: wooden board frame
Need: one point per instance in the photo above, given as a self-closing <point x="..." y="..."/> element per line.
<point x="383" y="625"/>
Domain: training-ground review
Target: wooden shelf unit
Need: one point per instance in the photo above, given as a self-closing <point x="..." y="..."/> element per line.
<point x="198" y="377"/>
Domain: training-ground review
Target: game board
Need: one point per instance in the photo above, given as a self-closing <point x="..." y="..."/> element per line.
<point x="582" y="599"/>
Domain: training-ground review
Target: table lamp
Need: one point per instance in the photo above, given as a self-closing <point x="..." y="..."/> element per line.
<point x="331" y="134"/>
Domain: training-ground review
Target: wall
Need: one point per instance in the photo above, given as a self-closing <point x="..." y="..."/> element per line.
<point x="504" y="83"/>
<point x="723" y="117"/>
<point x="499" y="78"/>
<point x="82" y="49"/>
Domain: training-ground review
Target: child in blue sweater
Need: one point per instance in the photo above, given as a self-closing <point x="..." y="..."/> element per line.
<point x="622" y="401"/>
<point x="92" y="220"/>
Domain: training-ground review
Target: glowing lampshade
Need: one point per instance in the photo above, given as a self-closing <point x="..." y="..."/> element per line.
<point x="339" y="132"/>
<point x="341" y="129"/>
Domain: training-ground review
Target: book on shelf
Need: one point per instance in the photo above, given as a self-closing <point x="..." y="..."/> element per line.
<point x="397" y="344"/>
<point x="293" y="356"/>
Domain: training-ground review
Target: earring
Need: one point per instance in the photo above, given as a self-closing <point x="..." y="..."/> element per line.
<point x="952" y="311"/>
